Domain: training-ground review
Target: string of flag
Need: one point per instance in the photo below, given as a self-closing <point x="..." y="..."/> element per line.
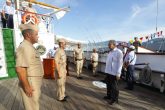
<point x="151" y="36"/>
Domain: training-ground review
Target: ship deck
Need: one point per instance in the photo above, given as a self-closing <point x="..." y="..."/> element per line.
<point x="83" y="95"/>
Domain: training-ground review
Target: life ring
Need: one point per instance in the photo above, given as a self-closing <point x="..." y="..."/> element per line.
<point x="41" y="49"/>
<point x="145" y="75"/>
<point x="29" y="17"/>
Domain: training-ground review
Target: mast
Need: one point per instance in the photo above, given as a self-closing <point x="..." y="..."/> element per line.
<point x="157" y="17"/>
<point x="16" y="4"/>
<point x="44" y="4"/>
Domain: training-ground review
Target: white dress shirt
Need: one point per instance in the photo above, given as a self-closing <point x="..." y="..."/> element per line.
<point x="52" y="52"/>
<point x="114" y="62"/>
<point x="8" y="9"/>
<point x="31" y="10"/>
<point x="130" y="57"/>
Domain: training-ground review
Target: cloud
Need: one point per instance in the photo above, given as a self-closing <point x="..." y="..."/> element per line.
<point x="142" y="21"/>
<point x="66" y="2"/>
<point x="136" y="10"/>
<point x="61" y="2"/>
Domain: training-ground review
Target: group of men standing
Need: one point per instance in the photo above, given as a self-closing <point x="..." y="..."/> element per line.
<point x="7" y="15"/>
<point x="79" y="59"/>
<point x="30" y="71"/>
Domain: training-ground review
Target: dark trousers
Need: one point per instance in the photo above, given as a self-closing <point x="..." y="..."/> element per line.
<point x="130" y="77"/>
<point x="8" y="22"/>
<point x="112" y="87"/>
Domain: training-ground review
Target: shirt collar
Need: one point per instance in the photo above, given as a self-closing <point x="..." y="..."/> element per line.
<point x="114" y="49"/>
<point x="27" y="42"/>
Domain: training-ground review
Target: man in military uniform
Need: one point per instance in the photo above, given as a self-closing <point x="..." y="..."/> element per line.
<point x="60" y="71"/>
<point x="94" y="61"/>
<point x="78" y="58"/>
<point x="29" y="67"/>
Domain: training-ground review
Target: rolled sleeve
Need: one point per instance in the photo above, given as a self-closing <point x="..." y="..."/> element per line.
<point x="23" y="57"/>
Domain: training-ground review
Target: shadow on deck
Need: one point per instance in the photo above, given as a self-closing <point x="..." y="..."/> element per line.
<point x="82" y="95"/>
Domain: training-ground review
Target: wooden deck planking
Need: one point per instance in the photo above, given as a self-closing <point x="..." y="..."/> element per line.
<point x="82" y="95"/>
<point x="92" y="95"/>
<point x="14" y="99"/>
<point x="9" y="94"/>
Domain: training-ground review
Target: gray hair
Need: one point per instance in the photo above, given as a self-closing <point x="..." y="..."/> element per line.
<point x="27" y="31"/>
<point x="112" y="42"/>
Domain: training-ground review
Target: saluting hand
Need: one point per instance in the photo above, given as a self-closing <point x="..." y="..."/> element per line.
<point x="29" y="91"/>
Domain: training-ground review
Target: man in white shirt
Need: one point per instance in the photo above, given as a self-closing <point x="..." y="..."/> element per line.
<point x="113" y="68"/>
<point x="94" y="61"/>
<point x="31" y="9"/>
<point x="129" y="64"/>
<point x="7" y="15"/>
<point x="52" y="52"/>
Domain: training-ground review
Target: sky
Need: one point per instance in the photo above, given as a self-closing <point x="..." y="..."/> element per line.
<point x="100" y="20"/>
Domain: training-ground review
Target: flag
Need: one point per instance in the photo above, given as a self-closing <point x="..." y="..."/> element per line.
<point x="158" y="34"/>
<point x="151" y="36"/>
<point x="131" y="41"/>
<point x="141" y="38"/>
<point x="60" y="14"/>
<point x="161" y="32"/>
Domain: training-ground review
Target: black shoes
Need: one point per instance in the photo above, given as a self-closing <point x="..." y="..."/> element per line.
<point x="113" y="102"/>
<point x="106" y="97"/>
<point x="128" y="88"/>
<point x="79" y="77"/>
<point x="66" y="97"/>
<point x="110" y="100"/>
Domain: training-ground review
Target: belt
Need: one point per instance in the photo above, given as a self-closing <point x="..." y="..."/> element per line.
<point x="94" y="61"/>
<point x="34" y="76"/>
<point x="79" y="59"/>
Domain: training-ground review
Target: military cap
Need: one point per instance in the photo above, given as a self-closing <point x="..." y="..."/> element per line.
<point x="28" y="26"/>
<point x="62" y="40"/>
<point x="8" y="0"/>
